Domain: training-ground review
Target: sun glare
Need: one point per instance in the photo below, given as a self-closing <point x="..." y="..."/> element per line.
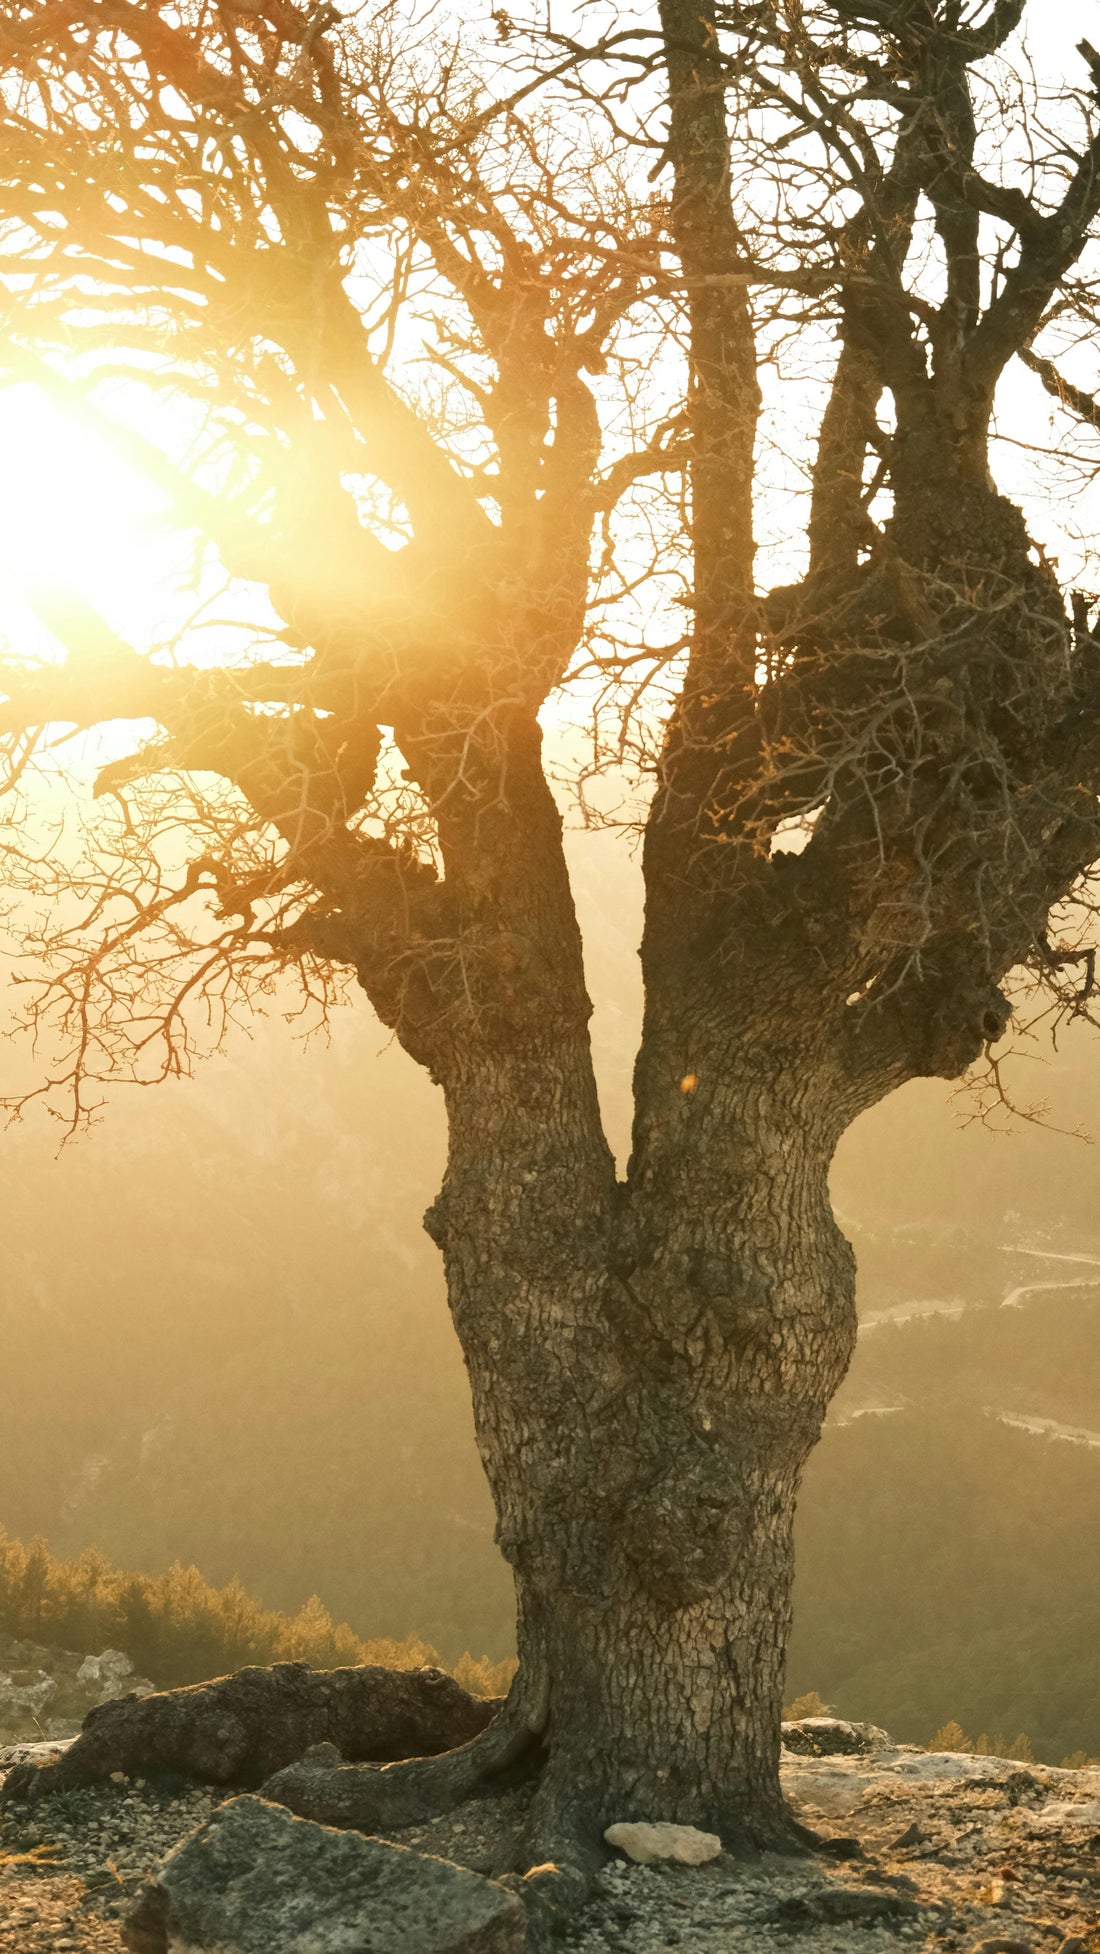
<point x="74" y="514"/>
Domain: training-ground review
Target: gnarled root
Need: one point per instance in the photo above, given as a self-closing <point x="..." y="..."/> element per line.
<point x="242" y="1728"/>
<point x="561" y="1848"/>
<point x="382" y="1797"/>
<point x="552" y="1895"/>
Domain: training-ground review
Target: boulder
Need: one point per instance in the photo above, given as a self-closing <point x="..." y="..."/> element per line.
<point x="240" y="1729"/>
<point x="685" y="1845"/>
<point x="256" y="1880"/>
<point x="25" y="1695"/>
<point x="109" y="1675"/>
<point x="833" y="1737"/>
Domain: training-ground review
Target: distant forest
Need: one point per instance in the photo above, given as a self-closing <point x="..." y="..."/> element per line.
<point x="225" y="1345"/>
<point x="178" y="1628"/>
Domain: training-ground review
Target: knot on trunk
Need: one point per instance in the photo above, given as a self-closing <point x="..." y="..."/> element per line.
<point x="960" y="1028"/>
<point x="682" y="1535"/>
<point x="437" y="1220"/>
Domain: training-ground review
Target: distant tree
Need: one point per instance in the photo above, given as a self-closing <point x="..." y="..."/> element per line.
<point x="951" y="1737"/>
<point x="468" y="380"/>
<point x="1020" y="1748"/>
<point x="809" y="1704"/>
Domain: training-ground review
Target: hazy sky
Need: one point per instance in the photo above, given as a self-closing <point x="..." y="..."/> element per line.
<point x="70" y="506"/>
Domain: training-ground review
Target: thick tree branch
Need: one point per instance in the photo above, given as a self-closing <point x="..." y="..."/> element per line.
<point x="1084" y="405"/>
<point x="724" y="395"/>
<point x="1047" y="252"/>
<point x="839" y="525"/>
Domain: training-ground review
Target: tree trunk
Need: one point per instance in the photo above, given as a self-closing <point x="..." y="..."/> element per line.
<point x="650" y="1365"/>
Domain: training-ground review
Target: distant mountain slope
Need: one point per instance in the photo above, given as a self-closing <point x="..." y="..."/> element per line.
<point x="948" y="1547"/>
<point x="1038" y="1357"/>
<point x="331" y="1459"/>
<point x="948" y="1567"/>
<point x="1038" y="1677"/>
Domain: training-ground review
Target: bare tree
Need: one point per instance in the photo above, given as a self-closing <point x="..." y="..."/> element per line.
<point x="462" y="390"/>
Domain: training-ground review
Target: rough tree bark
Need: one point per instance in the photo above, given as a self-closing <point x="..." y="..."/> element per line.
<point x="651" y="1357"/>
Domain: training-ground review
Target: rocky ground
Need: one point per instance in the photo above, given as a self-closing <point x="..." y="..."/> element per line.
<point x="951" y="1852"/>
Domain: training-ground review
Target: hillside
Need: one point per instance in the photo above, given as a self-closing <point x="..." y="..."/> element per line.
<point x="947" y="1568"/>
<point x="1036" y="1358"/>
<point x="947" y="1531"/>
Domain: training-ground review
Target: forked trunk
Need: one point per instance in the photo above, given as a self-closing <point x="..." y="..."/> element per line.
<point x="650" y="1364"/>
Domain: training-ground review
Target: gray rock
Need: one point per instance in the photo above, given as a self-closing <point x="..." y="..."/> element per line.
<point x="833" y="1737"/>
<point x="38" y="1752"/>
<point x="26" y="1698"/>
<point x="256" y="1880"/>
<point x="111" y="1675"/>
<point x="51" y="1691"/>
<point x="109" y="1667"/>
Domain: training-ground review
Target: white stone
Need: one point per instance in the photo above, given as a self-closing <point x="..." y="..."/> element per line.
<point x="1084" y="1811"/>
<point x="109" y="1674"/>
<point x="111" y="1666"/>
<point x="646" y="1844"/>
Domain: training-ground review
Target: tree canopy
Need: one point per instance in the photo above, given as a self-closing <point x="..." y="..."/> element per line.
<point x="420" y="337"/>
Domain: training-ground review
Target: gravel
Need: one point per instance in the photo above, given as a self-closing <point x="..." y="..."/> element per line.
<point x="69" y="1865"/>
<point x="645" y="1909"/>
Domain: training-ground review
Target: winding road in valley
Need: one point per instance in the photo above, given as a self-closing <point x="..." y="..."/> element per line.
<point x="1015" y="1299"/>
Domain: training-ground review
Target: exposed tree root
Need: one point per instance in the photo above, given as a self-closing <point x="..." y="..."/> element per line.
<point x="552" y="1895"/>
<point x="561" y="1850"/>
<point x="368" y="1797"/>
<point x="826" y="1845"/>
<point x="564" y="1841"/>
<point x="242" y="1728"/>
